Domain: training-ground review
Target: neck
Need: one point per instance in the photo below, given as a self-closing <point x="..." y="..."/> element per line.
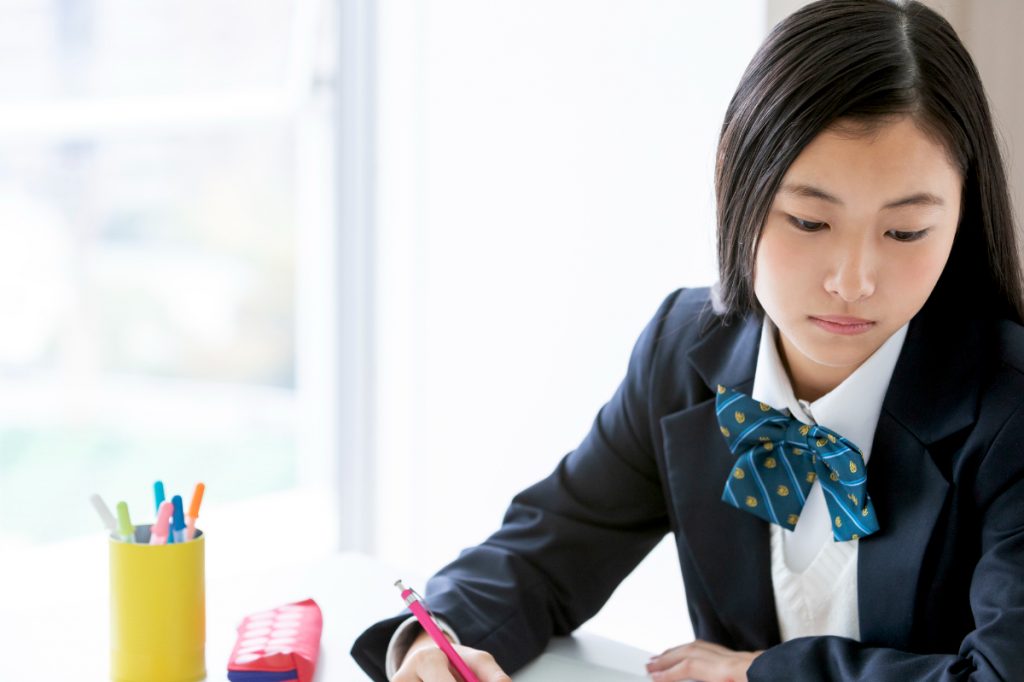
<point x="809" y="380"/>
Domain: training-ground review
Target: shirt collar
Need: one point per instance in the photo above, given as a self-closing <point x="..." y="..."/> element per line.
<point x="850" y="409"/>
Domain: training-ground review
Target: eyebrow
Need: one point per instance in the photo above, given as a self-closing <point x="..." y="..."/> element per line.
<point x="810" y="191"/>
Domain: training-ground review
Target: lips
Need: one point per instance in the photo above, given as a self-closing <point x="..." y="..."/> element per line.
<point x="842" y="319"/>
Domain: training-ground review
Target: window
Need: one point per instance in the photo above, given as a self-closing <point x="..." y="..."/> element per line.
<point x="164" y="201"/>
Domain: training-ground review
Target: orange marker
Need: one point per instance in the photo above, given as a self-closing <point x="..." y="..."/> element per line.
<point x="193" y="511"/>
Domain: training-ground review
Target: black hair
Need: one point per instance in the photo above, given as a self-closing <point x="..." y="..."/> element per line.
<point x="866" y="62"/>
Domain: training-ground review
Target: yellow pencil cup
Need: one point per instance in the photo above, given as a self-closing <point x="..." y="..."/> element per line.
<point x="157" y="610"/>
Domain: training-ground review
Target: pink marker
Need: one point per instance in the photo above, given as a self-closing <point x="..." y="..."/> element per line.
<point x="158" y="535"/>
<point x="415" y="604"/>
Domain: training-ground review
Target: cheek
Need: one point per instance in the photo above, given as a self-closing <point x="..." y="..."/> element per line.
<point x="782" y="266"/>
<point x="915" y="274"/>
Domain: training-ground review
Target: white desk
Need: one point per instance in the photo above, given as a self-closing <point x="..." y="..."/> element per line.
<point x="64" y="633"/>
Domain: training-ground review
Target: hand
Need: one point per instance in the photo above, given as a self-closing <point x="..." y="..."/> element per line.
<point x="425" y="662"/>
<point x="701" y="661"/>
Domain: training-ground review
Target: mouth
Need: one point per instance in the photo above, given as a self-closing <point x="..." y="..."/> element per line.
<point x="842" y="324"/>
<point x="842" y="319"/>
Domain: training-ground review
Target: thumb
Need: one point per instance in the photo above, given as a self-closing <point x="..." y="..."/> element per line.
<point x="485" y="667"/>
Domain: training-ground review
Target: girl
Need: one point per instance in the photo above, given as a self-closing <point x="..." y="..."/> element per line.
<point x="868" y="312"/>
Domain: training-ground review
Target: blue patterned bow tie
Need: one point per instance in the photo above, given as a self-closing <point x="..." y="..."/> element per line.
<point x="779" y="458"/>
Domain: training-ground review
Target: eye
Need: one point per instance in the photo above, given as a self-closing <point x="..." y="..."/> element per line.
<point x="897" y="235"/>
<point x="806" y="225"/>
<point x="908" y="236"/>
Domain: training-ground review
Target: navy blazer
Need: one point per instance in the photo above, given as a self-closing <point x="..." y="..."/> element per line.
<point x="940" y="587"/>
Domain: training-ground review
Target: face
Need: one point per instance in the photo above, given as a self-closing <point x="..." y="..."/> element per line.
<point x="853" y="245"/>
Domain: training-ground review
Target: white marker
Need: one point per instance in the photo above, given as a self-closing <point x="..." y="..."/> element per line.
<point x="105" y="516"/>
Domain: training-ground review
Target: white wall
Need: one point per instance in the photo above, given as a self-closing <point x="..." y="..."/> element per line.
<point x="991" y="31"/>
<point x="545" y="179"/>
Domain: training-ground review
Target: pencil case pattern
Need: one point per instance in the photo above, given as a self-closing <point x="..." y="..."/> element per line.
<point x="279" y="645"/>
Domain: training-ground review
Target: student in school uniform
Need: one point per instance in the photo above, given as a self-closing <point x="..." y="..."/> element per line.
<point x="833" y="432"/>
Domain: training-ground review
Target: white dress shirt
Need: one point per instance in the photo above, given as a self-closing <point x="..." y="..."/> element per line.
<point x="815" y="578"/>
<point x="403" y="638"/>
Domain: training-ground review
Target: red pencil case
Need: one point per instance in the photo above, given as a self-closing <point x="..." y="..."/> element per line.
<point x="279" y="645"/>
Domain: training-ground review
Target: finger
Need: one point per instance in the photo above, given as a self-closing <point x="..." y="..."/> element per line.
<point x="669" y="656"/>
<point x="695" y="644"/>
<point x="676" y="654"/>
<point x="428" y="664"/>
<point x="484" y="665"/>
<point x="410" y="675"/>
<point x="711" y="646"/>
<point x="667" y="652"/>
<point x="690" y="669"/>
<point x="698" y="647"/>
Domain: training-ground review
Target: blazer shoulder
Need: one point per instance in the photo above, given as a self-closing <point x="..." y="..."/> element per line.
<point x="685" y="317"/>
<point x="1000" y="417"/>
<point x="686" y="312"/>
<point x="1002" y="356"/>
<point x="1001" y="384"/>
<point x="1011" y="345"/>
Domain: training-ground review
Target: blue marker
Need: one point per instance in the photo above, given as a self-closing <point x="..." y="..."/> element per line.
<point x="158" y="493"/>
<point x="159" y="496"/>
<point x="178" y="524"/>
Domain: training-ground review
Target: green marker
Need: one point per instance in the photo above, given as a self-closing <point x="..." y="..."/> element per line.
<point x="125" y="529"/>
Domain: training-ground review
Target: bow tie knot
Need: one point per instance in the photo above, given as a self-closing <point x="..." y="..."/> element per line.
<point x="779" y="461"/>
<point x="799" y="435"/>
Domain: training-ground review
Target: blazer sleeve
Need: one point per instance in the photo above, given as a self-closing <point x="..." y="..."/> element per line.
<point x="565" y="542"/>
<point x="993" y="651"/>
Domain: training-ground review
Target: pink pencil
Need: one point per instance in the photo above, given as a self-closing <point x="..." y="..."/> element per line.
<point x="412" y="600"/>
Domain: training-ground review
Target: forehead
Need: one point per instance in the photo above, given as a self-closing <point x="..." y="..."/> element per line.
<point x="890" y="157"/>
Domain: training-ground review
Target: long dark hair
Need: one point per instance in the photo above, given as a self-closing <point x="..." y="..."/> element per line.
<point x="865" y="61"/>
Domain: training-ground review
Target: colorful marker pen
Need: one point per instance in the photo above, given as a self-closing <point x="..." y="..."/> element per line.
<point x="104" y="512"/>
<point x="125" y="529"/>
<point x="178" y="520"/>
<point x="193" y="511"/>
<point x="159" y="497"/>
<point x="158" y="494"/>
<point x="415" y="604"/>
<point x="158" y="535"/>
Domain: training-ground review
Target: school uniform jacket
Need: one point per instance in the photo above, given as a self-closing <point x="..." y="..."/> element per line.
<point x="940" y="585"/>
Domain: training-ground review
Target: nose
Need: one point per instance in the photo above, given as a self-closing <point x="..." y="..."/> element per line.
<point x="852" y="274"/>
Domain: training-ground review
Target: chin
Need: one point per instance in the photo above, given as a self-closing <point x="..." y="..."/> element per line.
<point x="837" y="353"/>
<point x="845" y="353"/>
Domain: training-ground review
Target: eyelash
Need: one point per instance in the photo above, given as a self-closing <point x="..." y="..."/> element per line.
<point x="907" y="236"/>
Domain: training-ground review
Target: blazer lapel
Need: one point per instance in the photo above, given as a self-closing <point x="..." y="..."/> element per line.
<point x="932" y="395"/>
<point x="730" y="547"/>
